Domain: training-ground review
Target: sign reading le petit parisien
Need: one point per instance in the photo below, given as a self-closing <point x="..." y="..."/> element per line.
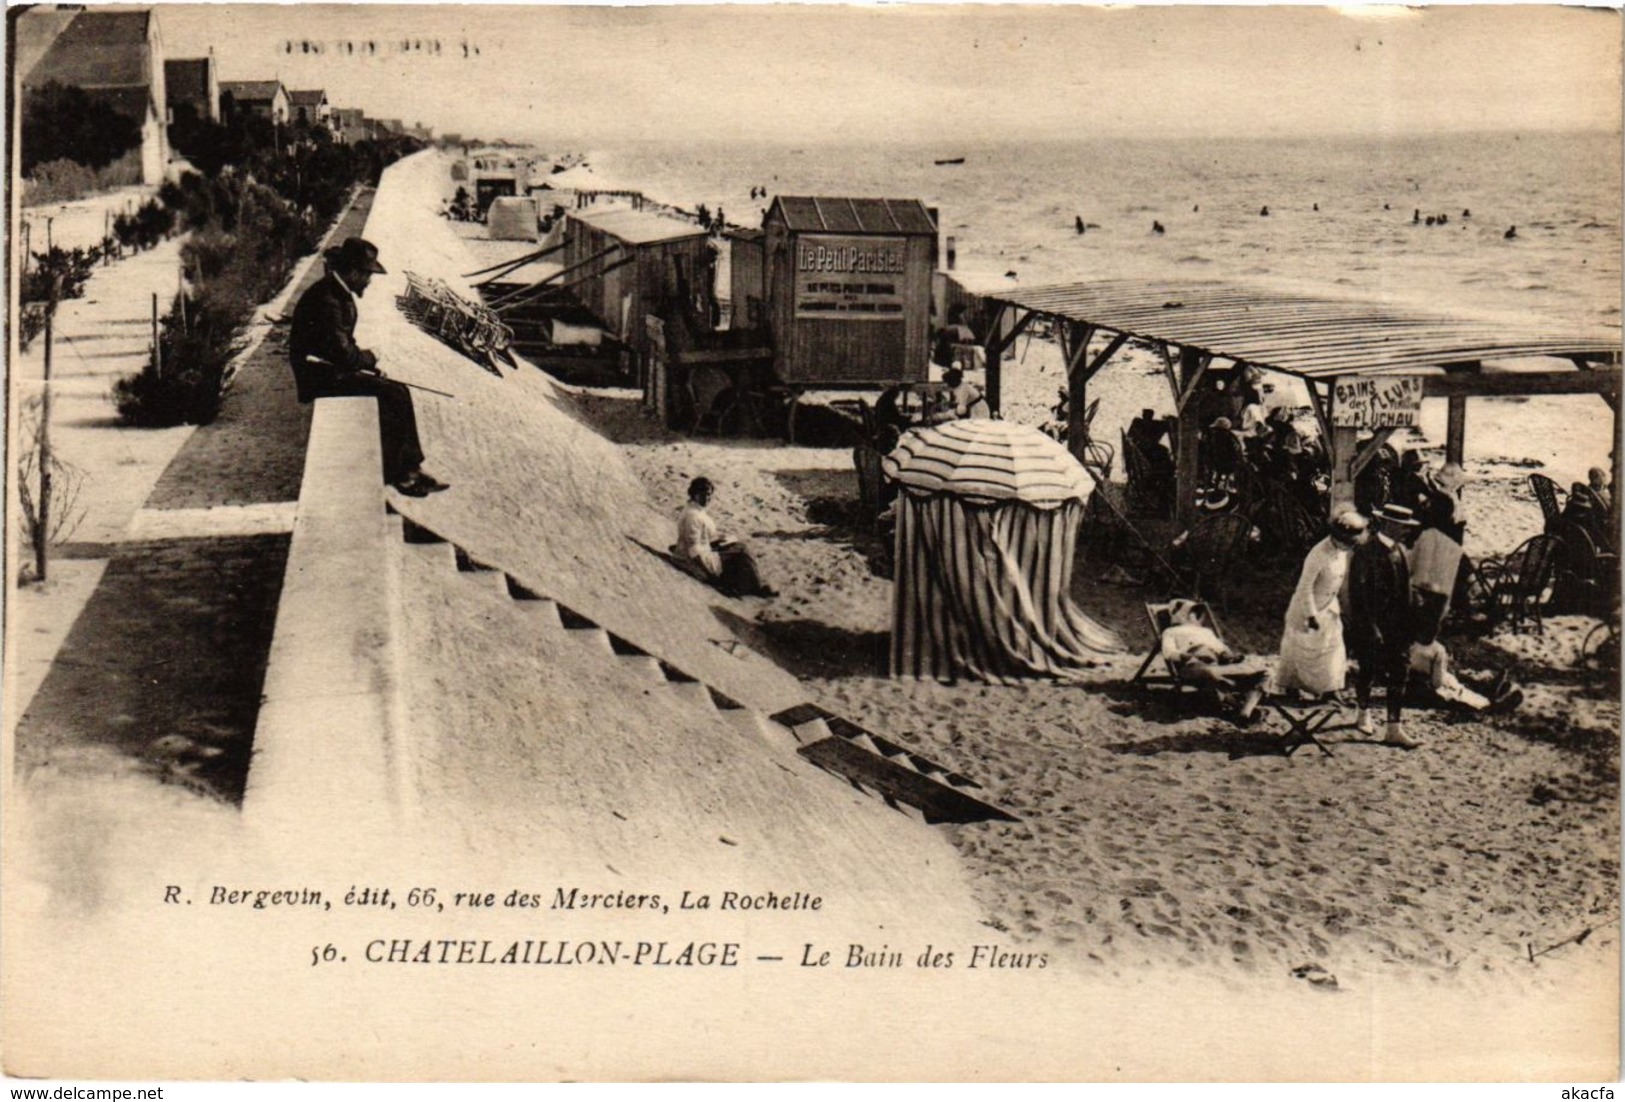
<point x="849" y="277"/>
<point x="1376" y="402"/>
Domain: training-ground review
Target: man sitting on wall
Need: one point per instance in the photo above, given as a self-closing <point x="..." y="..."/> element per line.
<point x="328" y="364"/>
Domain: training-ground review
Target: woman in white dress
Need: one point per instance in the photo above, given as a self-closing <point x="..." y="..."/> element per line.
<point x="1313" y="658"/>
<point x="727" y="563"/>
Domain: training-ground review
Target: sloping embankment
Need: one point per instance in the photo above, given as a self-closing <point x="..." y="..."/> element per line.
<point x="525" y="737"/>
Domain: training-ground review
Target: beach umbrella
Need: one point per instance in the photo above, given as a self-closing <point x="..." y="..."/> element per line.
<point x="990" y="461"/>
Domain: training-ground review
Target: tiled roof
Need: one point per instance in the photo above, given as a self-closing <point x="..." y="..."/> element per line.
<point x="98" y="49"/>
<point x="250" y="91"/>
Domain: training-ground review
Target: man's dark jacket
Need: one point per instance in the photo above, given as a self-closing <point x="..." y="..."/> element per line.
<point x="324" y="327"/>
<point x="327" y="364"/>
<point x="1379" y="591"/>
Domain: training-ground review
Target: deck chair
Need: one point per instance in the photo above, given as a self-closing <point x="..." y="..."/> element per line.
<point x="1159" y="613"/>
<point x="1304" y="719"/>
<point x="1546" y="492"/>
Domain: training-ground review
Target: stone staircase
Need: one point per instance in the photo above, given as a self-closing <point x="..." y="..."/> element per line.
<point x="904" y="781"/>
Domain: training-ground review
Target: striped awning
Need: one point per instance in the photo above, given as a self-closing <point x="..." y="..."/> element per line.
<point x="988" y="461"/>
<point x="1313" y="336"/>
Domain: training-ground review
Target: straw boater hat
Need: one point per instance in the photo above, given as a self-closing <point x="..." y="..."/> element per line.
<point x="356" y="252"/>
<point x="1396" y="514"/>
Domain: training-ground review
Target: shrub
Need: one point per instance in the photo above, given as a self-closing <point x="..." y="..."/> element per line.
<point x="207" y="254"/>
<point x="63" y="181"/>
<point x="197" y="340"/>
<point x="153" y="221"/>
<point x="64" y="511"/>
<point x="30" y="324"/>
<point x="71" y="268"/>
<point x="66" y="123"/>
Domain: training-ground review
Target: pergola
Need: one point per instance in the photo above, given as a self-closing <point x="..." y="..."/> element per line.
<point x="1209" y="327"/>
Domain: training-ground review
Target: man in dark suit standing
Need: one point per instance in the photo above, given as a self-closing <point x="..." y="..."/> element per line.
<point x="1379" y="622"/>
<point x="328" y="364"/>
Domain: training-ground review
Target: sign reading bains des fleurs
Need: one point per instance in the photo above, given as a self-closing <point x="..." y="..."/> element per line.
<point x="1376" y="401"/>
<point x="849" y="277"/>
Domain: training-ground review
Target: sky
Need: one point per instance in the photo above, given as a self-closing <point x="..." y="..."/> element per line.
<point x="913" y="72"/>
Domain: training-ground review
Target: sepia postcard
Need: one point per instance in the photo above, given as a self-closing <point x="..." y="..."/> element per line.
<point x="802" y="543"/>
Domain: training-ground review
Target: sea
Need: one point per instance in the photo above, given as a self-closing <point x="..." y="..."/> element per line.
<point x="1345" y="213"/>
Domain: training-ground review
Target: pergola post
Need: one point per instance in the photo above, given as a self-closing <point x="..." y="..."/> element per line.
<point x="1456" y="430"/>
<point x="1192" y="365"/>
<point x="1341" y="450"/>
<point x="1075" y="347"/>
<point x="1006" y="328"/>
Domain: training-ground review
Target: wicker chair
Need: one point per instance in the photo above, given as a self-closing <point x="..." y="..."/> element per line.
<point x="1517" y="586"/>
<point x="1586" y="576"/>
<point x="1148" y="494"/>
<point x="1546" y="492"/>
<point x="1209" y="552"/>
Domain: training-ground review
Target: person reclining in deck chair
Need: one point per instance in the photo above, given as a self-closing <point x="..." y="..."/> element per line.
<point x="726" y="564"/>
<point x="1198" y="657"/>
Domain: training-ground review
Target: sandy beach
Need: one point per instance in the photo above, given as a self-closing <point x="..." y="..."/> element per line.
<point x="1152" y="835"/>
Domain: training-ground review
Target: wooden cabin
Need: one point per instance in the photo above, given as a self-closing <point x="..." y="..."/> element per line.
<point x="747" y="278"/>
<point x="626" y="265"/>
<point x="847" y="284"/>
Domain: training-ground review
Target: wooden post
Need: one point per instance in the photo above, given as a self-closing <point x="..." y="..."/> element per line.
<point x="1191" y="366"/>
<point x="1614" y="458"/>
<point x="1456" y="430"/>
<point x="1341" y="450"/>
<point x="995" y="359"/>
<point x="1076" y="347"/>
<point x="157" y="353"/>
<point x="42" y="530"/>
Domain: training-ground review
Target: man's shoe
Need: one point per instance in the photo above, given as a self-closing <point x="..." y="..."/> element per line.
<point x="1365" y="724"/>
<point x="418" y="484"/>
<point x="1397" y="737"/>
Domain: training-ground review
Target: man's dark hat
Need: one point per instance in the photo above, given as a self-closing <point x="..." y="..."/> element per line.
<point x="356" y="252"/>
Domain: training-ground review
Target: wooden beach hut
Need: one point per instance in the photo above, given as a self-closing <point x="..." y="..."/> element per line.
<point x="627" y="265"/>
<point x="1366" y="364"/>
<point x="847" y="284"/>
<point x="747" y="278"/>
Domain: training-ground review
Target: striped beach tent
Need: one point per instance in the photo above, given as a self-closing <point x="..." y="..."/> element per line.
<point x="986" y="531"/>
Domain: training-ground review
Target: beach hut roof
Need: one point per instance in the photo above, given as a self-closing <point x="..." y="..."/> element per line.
<point x="988" y="461"/>
<point x="639" y="227"/>
<point x="307" y="98"/>
<point x="1309" y="335"/>
<point x="825" y="214"/>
